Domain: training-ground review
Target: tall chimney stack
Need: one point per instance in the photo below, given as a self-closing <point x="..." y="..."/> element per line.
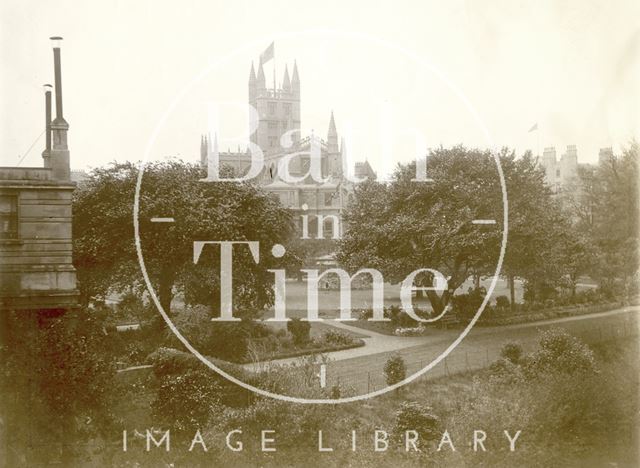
<point x="46" y="154"/>
<point x="59" y="154"/>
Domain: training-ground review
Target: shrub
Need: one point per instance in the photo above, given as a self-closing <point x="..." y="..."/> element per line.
<point x="401" y="319"/>
<point x="559" y="352"/>
<point x="135" y="353"/>
<point x="366" y="314"/>
<point x="335" y="337"/>
<point x="186" y="402"/>
<point x="414" y="416"/>
<point x="502" y="302"/>
<point x="131" y="306"/>
<point x="169" y="361"/>
<point x="395" y="369"/>
<point x="300" y="330"/>
<point x="223" y="340"/>
<point x="466" y="306"/>
<point x="504" y="371"/>
<point x="512" y="352"/>
<point x="57" y="386"/>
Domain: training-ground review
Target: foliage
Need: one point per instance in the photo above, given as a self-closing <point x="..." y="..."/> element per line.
<point x="536" y="228"/>
<point x="410" y="331"/>
<point x="465" y="306"/>
<point x="223" y="340"/>
<point x="300" y="330"/>
<point x="559" y="352"/>
<point x="131" y="307"/>
<point x="57" y="383"/>
<point x="579" y="419"/>
<point x="170" y="361"/>
<point x="395" y="370"/>
<point x="512" y="352"/>
<point x="336" y="337"/>
<point x="414" y="416"/>
<point x="604" y="204"/>
<point x="404" y="225"/>
<point x="186" y="401"/>
<point x="502" y="302"/>
<point x="104" y="248"/>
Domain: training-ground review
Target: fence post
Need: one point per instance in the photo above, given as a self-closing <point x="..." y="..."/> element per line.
<point x="487" y="356"/>
<point x="368" y="382"/>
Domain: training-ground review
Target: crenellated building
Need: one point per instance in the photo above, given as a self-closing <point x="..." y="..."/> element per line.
<point x="561" y="172"/>
<point x="36" y="269"/>
<point x="277" y="118"/>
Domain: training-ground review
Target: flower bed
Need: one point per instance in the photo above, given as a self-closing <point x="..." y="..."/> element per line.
<point x="410" y="331"/>
<point x="547" y="314"/>
<point x="320" y="349"/>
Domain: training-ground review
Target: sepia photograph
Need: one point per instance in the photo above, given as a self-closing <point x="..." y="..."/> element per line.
<point x="330" y="234"/>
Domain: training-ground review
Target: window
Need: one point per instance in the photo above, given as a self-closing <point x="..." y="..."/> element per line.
<point x="287" y="108"/>
<point x="557" y="172"/>
<point x="272" y="108"/>
<point x="8" y="216"/>
<point x="273" y="141"/>
<point x="273" y="124"/>
<point x="328" y="198"/>
<point x="328" y="229"/>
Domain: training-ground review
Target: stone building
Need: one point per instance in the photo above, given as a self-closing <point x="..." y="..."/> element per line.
<point x="561" y="172"/>
<point x="318" y="206"/>
<point x="36" y="270"/>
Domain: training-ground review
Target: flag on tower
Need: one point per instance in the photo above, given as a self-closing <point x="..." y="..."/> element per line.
<point x="267" y="54"/>
<point x="535" y="127"/>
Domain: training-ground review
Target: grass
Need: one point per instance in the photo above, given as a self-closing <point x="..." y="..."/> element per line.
<point x="567" y="436"/>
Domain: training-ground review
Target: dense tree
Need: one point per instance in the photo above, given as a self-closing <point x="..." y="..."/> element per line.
<point x="538" y="229"/>
<point x="405" y="225"/>
<point x="603" y="204"/>
<point x="104" y="250"/>
<point x="57" y="385"/>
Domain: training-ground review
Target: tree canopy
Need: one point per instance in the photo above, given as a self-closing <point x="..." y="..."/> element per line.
<point x="403" y="225"/>
<point x="604" y="207"/>
<point x="104" y="249"/>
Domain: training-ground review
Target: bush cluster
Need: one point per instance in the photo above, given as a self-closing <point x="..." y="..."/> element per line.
<point x="300" y="331"/>
<point x="395" y="370"/>
<point x="414" y="416"/>
<point x="186" y="401"/>
<point x="558" y="353"/>
<point x="336" y="337"/>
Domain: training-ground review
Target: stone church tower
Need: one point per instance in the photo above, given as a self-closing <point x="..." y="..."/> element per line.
<point x="278" y="109"/>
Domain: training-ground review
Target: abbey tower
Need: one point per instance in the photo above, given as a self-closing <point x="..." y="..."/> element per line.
<point x="278" y="111"/>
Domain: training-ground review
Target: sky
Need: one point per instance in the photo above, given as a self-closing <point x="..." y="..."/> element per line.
<point x="140" y="76"/>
